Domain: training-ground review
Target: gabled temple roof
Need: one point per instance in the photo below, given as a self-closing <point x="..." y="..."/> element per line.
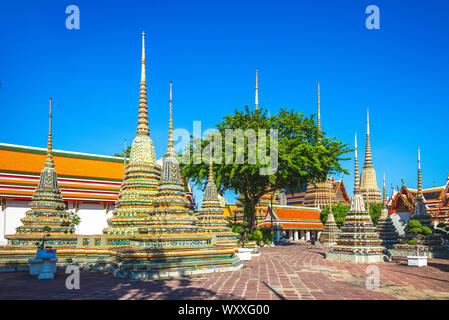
<point x="435" y="198"/>
<point x="293" y="217"/>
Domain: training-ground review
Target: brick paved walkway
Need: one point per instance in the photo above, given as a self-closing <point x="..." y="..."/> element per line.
<point x="295" y="271"/>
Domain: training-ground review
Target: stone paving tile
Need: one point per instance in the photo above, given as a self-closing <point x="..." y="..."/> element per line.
<point x="294" y="271"/>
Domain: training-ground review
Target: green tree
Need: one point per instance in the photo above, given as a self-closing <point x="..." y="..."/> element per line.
<point x="256" y="235"/>
<point x="413" y="226"/>
<point x="339" y="211"/>
<point x="375" y="210"/>
<point x="242" y="229"/>
<point x="128" y="152"/>
<point x="301" y="157"/>
<point x="443" y="230"/>
<point x="76" y="219"/>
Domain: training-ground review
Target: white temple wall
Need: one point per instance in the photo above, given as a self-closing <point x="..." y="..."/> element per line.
<point x="93" y="217"/>
<point x="10" y="217"/>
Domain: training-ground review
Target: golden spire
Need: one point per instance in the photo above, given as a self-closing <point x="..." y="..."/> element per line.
<point x="419" y="195"/>
<point x="49" y="162"/>
<point x="142" y="124"/>
<point x="356" y="168"/>
<point x="368" y="160"/>
<point x="257" y="95"/>
<point x="211" y="171"/>
<point x="171" y="148"/>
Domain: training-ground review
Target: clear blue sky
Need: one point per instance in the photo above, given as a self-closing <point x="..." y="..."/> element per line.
<point x="211" y="50"/>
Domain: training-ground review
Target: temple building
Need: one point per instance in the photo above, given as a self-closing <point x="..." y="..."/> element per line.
<point x="338" y="188"/>
<point x="402" y="204"/>
<point x="385" y="227"/>
<point x="89" y="184"/>
<point x="319" y="194"/>
<point x="429" y="245"/>
<point x="293" y="223"/>
<point x="368" y="182"/>
<point x="358" y="240"/>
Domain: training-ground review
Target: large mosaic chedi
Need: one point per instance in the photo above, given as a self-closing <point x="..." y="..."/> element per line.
<point x="47" y="215"/>
<point x="368" y="182"/>
<point x="358" y="240"/>
<point x="210" y="216"/>
<point x="329" y="235"/>
<point x="171" y="238"/>
<point x="385" y="227"/>
<point x="142" y="174"/>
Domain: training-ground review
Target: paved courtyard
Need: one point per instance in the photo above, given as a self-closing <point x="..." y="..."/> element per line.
<point x="292" y="271"/>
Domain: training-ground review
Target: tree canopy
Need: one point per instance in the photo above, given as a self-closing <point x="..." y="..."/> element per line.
<point x="338" y="210"/>
<point x="299" y="156"/>
<point x="128" y="152"/>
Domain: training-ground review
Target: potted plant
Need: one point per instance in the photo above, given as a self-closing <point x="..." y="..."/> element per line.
<point x="267" y="235"/>
<point x="418" y="234"/>
<point x="242" y="229"/>
<point x="44" y="251"/>
<point x="44" y="265"/>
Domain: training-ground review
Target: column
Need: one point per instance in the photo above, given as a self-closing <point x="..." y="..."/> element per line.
<point x="3" y="222"/>
<point x="278" y="235"/>
<point x="296" y="235"/>
<point x="318" y="235"/>
<point x="308" y="235"/>
<point x="303" y="238"/>
<point x="290" y="235"/>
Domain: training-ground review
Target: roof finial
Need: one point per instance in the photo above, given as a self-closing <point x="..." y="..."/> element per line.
<point x="142" y="123"/>
<point x="257" y="95"/>
<point x="419" y="195"/>
<point x="49" y="162"/>
<point x="368" y="159"/>
<point x="356" y="167"/>
<point x="319" y="115"/>
<point x="171" y="148"/>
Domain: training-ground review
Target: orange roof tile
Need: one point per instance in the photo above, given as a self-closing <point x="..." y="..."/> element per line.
<point x="296" y="213"/>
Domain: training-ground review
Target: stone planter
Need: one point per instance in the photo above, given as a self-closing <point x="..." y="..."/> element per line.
<point x="44" y="265"/>
<point x="244" y="254"/>
<point x="46" y="253"/>
<point x="417" y="261"/>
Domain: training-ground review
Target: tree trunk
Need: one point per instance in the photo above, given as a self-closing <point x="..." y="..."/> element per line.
<point x="252" y="218"/>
